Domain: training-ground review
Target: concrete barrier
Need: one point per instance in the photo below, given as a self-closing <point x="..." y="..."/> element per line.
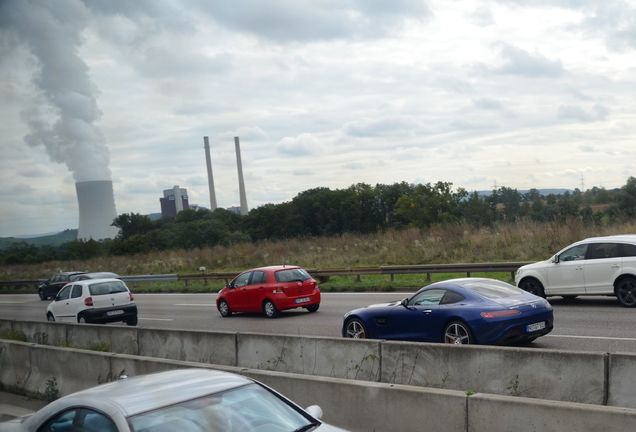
<point x="188" y="345"/>
<point x="544" y="374"/>
<point x="550" y="374"/>
<point x="496" y="413"/>
<point x="622" y="380"/>
<point x="322" y="356"/>
<point x="355" y="405"/>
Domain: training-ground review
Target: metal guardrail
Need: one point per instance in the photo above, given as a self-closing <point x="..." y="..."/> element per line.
<point x="322" y="274"/>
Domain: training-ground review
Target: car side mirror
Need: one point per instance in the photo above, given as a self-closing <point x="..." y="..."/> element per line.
<point x="555" y="259"/>
<point x="405" y="302"/>
<point x="315" y="411"/>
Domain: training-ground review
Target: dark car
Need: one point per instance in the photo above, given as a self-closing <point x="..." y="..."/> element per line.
<point x="269" y="290"/>
<point x="50" y="288"/>
<point x="457" y="311"/>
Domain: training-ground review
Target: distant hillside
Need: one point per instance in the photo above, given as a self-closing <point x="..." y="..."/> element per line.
<point x="46" y="240"/>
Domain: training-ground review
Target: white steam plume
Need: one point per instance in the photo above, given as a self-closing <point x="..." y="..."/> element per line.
<point x="63" y="118"/>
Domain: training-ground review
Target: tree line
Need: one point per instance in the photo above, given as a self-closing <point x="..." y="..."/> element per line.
<point x="360" y="208"/>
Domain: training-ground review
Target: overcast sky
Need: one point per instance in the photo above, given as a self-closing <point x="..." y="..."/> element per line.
<point x="321" y="93"/>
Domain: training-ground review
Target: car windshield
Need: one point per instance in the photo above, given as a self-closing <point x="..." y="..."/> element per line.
<point x="289" y="275"/>
<point x="105" y="288"/>
<point x="494" y="289"/>
<point x="247" y="408"/>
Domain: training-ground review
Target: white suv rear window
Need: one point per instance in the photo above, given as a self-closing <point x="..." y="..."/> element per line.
<point x="105" y="288"/>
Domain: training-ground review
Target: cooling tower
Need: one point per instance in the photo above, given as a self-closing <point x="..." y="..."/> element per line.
<point x="96" y="210"/>
<point x="240" y="176"/>
<point x="208" y="162"/>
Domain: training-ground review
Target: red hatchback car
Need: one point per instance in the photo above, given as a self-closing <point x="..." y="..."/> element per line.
<point x="270" y="290"/>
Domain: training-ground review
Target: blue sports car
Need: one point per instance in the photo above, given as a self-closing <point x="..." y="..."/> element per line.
<point x="456" y="311"/>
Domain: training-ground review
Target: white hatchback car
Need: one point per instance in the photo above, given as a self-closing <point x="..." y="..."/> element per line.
<point x="594" y="266"/>
<point x="94" y="301"/>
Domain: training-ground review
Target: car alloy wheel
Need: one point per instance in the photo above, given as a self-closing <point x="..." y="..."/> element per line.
<point x="81" y="319"/>
<point x="626" y="292"/>
<point x="224" y="309"/>
<point x="457" y="333"/>
<point x="270" y="309"/>
<point x="355" y="329"/>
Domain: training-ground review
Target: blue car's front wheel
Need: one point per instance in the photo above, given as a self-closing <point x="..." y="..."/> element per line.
<point x="457" y="333"/>
<point x="354" y="328"/>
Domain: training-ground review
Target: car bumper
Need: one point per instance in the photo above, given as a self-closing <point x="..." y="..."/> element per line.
<point x="514" y="331"/>
<point x="110" y="314"/>
<point x="283" y="302"/>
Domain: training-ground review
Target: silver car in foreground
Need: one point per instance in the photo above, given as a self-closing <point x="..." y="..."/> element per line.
<point x="184" y="400"/>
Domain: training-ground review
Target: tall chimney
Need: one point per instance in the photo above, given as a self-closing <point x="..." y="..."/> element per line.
<point x="240" y="176"/>
<point x="96" y="210"/>
<point x="208" y="162"/>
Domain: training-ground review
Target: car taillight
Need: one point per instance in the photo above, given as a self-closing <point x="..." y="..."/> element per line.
<point x="88" y="301"/>
<point x="500" y="314"/>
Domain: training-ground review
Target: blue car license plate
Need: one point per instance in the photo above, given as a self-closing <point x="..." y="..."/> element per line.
<point x="534" y="327"/>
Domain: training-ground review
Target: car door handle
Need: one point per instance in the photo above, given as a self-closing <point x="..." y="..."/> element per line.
<point x="616" y="266"/>
<point x="579" y="268"/>
<point x="427" y="311"/>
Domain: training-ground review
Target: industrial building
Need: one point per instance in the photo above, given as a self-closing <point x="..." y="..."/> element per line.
<point x="174" y="201"/>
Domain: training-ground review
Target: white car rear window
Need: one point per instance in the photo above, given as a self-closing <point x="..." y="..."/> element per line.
<point x="105" y="288"/>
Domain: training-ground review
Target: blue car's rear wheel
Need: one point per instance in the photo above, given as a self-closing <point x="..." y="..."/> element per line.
<point x="354" y="328"/>
<point x="457" y="333"/>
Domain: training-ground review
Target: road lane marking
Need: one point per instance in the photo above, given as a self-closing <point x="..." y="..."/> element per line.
<point x="593" y="337"/>
<point x="195" y="304"/>
<point x="156" y="319"/>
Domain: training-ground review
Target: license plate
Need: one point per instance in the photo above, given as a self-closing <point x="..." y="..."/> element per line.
<point x="302" y="300"/>
<point x="536" y="326"/>
<point x="115" y="312"/>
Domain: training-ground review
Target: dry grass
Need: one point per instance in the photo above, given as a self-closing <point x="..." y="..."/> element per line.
<point x="526" y="241"/>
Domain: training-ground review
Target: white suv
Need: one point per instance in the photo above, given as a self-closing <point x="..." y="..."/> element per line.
<point x="94" y="301"/>
<point x="594" y="266"/>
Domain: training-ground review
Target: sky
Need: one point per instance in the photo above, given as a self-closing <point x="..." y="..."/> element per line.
<point x="322" y="93"/>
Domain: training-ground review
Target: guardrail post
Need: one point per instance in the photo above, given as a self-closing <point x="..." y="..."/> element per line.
<point x="357" y="278"/>
<point x="428" y="277"/>
<point x="467" y="274"/>
<point x="392" y="277"/>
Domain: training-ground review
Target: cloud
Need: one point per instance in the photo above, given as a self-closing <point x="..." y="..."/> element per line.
<point x="488" y="104"/>
<point x="290" y="20"/>
<point x="380" y="127"/>
<point x="577" y="114"/>
<point x="302" y="145"/>
<point x="520" y="62"/>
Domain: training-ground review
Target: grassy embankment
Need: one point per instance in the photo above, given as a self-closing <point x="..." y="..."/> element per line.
<point x="440" y="244"/>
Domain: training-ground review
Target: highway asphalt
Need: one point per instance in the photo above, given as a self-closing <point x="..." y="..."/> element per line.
<point x="597" y="324"/>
